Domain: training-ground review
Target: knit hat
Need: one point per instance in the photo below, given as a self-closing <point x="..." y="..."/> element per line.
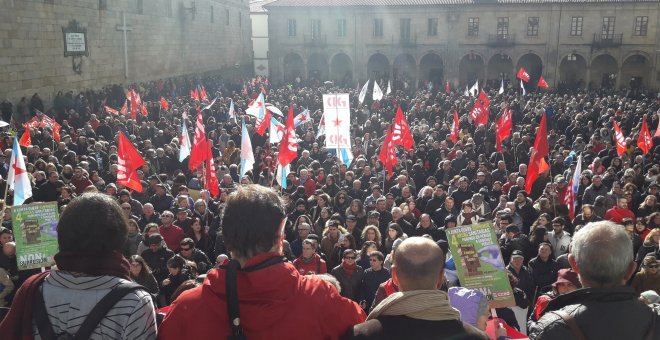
<point x="567" y="276"/>
<point x="650" y="296"/>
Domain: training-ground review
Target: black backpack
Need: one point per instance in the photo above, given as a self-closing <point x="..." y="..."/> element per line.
<point x="91" y="321"/>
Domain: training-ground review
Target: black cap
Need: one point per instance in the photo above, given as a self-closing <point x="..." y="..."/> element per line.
<point x="512" y="228"/>
<point x="154" y="239"/>
<point x="517" y="253"/>
<point x="351" y="217"/>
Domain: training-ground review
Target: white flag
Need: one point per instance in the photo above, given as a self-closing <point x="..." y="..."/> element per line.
<point x="378" y="93"/>
<point x="501" y="91"/>
<point x="321" y="129"/>
<point x="232" y="114"/>
<point x="467" y="92"/>
<point x="247" y="156"/>
<point x="475" y="88"/>
<point x="276" y="131"/>
<point x="363" y="92"/>
<point x="389" y="87"/>
<point x="522" y="86"/>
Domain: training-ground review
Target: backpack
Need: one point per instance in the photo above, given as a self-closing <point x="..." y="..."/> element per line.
<point x="91" y="321"/>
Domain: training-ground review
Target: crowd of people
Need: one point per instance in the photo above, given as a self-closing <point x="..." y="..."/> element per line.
<point x="346" y="223"/>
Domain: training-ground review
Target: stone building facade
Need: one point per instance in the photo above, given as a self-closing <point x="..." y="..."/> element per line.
<point x="596" y="43"/>
<point x="166" y="38"/>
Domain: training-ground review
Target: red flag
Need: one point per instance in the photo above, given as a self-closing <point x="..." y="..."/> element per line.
<point x="447" y="88"/>
<point x="211" y="176"/>
<point x="198" y="153"/>
<point x="289" y="143"/>
<point x="263" y="123"/>
<point x="111" y="110"/>
<point x="164" y="104"/>
<point x="504" y="126"/>
<point x="387" y="153"/>
<point x="26" y="140"/>
<point x="401" y="132"/>
<point x="202" y="93"/>
<point x="537" y="164"/>
<point x="523" y="75"/>
<point x="620" y="140"/>
<point x="480" y="111"/>
<point x="124" y="109"/>
<point x="129" y="161"/>
<point x="136" y="102"/>
<point x="454" y="128"/>
<point x="644" y="141"/>
<point x="263" y="90"/>
<point x="143" y="109"/>
<point x="543" y="84"/>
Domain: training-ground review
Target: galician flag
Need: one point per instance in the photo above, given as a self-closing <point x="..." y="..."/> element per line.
<point x="247" y="157"/>
<point x="184" y="149"/>
<point x="232" y="114"/>
<point x="302" y="118"/>
<point x="363" y="92"/>
<point x="389" y="87"/>
<point x="474" y="90"/>
<point x="276" y="131"/>
<point x="378" y="93"/>
<point x="321" y="130"/>
<point x="17" y="177"/>
<point x="501" y="91"/>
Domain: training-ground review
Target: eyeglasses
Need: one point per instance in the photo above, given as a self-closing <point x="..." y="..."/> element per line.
<point x="167" y="216"/>
<point x="349" y="257"/>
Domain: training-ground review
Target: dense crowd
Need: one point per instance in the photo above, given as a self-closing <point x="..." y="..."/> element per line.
<point x="347" y="220"/>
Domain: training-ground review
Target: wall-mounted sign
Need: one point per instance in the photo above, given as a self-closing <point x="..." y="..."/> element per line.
<point x="75" y="40"/>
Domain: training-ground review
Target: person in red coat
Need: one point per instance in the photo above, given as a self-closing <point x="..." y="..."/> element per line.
<point x="272" y="299"/>
<point x="619" y="212"/>
<point x="309" y="262"/>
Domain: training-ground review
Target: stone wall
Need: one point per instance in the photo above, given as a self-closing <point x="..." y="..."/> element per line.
<point x="165" y="40"/>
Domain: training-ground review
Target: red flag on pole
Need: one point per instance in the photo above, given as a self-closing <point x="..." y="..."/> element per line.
<point x="644" y="141"/>
<point x="129" y="161"/>
<point x="26" y="140"/>
<point x="480" y="111"/>
<point x="198" y="153"/>
<point x="134" y="104"/>
<point x="211" y="175"/>
<point x="401" y="134"/>
<point x="620" y="140"/>
<point x="202" y="93"/>
<point x="447" y="88"/>
<point x="543" y="84"/>
<point x="387" y="153"/>
<point x="537" y="164"/>
<point x="111" y="110"/>
<point x="164" y="104"/>
<point x="143" y="109"/>
<point x="504" y="126"/>
<point x="453" y="136"/>
<point x="289" y="144"/>
<point x="124" y="109"/>
<point x="262" y="123"/>
<point x="523" y="75"/>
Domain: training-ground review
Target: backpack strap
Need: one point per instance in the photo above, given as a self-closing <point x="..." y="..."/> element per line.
<point x="102" y="308"/>
<point x="40" y="316"/>
<point x="571" y="323"/>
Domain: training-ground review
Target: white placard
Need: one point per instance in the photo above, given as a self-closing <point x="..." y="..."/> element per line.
<point x="336" y="108"/>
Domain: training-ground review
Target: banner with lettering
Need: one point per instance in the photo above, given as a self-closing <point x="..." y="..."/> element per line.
<point x="35" y="230"/>
<point x="479" y="262"/>
<point x="337" y="114"/>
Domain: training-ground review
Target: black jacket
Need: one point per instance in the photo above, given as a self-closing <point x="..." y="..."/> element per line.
<point x="404" y="327"/>
<point x="600" y="313"/>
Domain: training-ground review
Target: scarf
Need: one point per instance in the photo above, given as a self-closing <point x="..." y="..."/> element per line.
<point x="430" y="305"/>
<point x="349" y="268"/>
<point x="94" y="264"/>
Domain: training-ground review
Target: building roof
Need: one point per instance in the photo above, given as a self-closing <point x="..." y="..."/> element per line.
<point x="257" y="6"/>
<point x="372" y="3"/>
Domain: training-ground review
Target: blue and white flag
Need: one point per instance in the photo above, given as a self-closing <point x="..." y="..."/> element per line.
<point x="345" y="156"/>
<point x="18" y="177"/>
<point x="232" y="114"/>
<point x="184" y="149"/>
<point x="282" y="172"/>
<point x="247" y="156"/>
<point x="302" y="118"/>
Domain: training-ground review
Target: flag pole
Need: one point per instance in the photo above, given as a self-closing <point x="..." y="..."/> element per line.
<point x="4" y="197"/>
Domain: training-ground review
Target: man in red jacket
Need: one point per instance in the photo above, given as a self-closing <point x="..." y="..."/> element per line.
<point x="264" y="296"/>
<point x="619" y="212"/>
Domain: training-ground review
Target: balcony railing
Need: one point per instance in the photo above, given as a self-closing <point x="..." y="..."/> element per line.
<point x="315" y="40"/>
<point x="607" y="40"/>
<point x="501" y="40"/>
<point x="407" y="41"/>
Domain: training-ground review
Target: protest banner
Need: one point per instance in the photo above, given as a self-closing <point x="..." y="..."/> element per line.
<point x="35" y="230"/>
<point x="479" y="262"/>
<point x="337" y="113"/>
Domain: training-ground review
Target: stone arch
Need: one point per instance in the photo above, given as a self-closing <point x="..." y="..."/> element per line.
<point x="293" y="67"/>
<point x="341" y="69"/>
<point x="573" y="71"/>
<point x="604" y="70"/>
<point x="317" y="66"/>
<point x="636" y="71"/>
<point x="431" y="68"/>
<point x="378" y="66"/>
<point x="404" y="69"/>
<point x="500" y="66"/>
<point x="471" y="68"/>
<point x="534" y="67"/>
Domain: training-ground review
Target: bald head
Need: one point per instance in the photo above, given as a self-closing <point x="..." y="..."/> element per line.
<point x="418" y="264"/>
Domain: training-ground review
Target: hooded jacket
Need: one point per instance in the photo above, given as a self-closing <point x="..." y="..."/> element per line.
<point x="276" y="302"/>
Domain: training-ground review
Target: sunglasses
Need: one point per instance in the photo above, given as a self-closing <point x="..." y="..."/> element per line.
<point x="653" y="266"/>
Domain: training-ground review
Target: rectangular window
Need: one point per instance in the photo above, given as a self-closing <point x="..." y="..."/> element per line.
<point x="503" y="28"/>
<point x="405" y="29"/>
<point x="432" y="27"/>
<point x="576" y="26"/>
<point x="378" y="27"/>
<point x="341" y="27"/>
<point x="473" y="27"/>
<point x="140" y="7"/>
<point x="103" y="4"/>
<point x="533" y="26"/>
<point x="212" y="19"/>
<point x="291" y="27"/>
<point x="227" y="17"/>
<point x="240" y="18"/>
<point x="607" y="31"/>
<point x="641" y="25"/>
<point x="169" y="8"/>
<point x="316" y="28"/>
